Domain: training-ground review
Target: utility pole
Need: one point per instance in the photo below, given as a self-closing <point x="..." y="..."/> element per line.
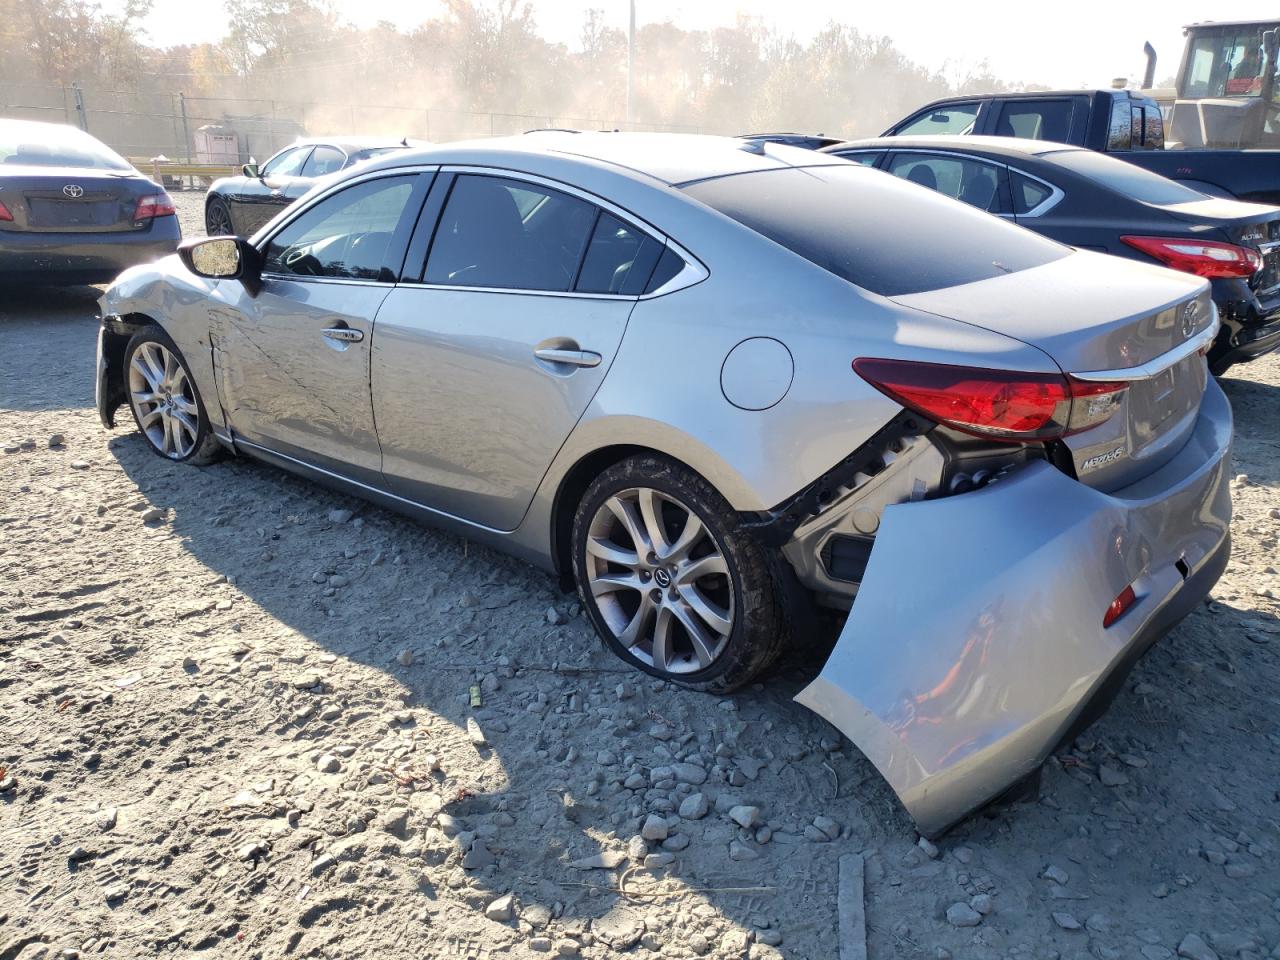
<point x="81" y="117"/>
<point x="631" y="66"/>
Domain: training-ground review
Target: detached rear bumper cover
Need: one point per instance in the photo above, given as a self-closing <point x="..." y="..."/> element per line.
<point x="976" y="640"/>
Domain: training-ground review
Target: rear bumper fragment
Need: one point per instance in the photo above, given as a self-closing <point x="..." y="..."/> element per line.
<point x="975" y="644"/>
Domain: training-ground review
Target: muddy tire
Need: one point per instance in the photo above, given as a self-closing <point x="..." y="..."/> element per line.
<point x="672" y="582"/>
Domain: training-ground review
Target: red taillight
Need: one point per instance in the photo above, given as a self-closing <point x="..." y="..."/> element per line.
<point x="999" y="404"/>
<point x="1118" y="606"/>
<point x="4" y="213"/>
<point x="1204" y="258"/>
<point x="156" y="205"/>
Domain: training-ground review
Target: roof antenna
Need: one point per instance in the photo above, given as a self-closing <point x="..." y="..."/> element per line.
<point x="753" y="146"/>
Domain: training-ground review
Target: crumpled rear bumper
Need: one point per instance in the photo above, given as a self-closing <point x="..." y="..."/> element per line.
<point x="975" y="644"/>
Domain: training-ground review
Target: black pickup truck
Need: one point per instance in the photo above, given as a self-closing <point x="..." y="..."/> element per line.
<point x="1126" y="123"/>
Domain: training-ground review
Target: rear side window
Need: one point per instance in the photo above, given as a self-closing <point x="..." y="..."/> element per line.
<point x="867" y="158"/>
<point x="619" y="259"/>
<point x="498" y="232"/>
<point x="955" y="119"/>
<point x="1035" y="120"/>
<point x="972" y="181"/>
<point x="874" y="231"/>
<point x="1027" y="193"/>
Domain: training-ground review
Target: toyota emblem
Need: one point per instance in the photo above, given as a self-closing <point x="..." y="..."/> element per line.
<point x="73" y="190"/>
<point x="1189" y="314"/>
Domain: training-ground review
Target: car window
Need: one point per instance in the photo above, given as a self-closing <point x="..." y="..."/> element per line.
<point x="345" y="236"/>
<point x="874" y="231"/>
<point x="1120" y="128"/>
<point x="973" y="181"/>
<point x="669" y="266"/>
<point x="1035" y="119"/>
<point x="867" y="158"/>
<point x="956" y="119"/>
<point x="1123" y="177"/>
<point x="287" y="164"/>
<point x="498" y="232"/>
<point x="54" y="145"/>
<point x="619" y="258"/>
<point x="1027" y="193"/>
<point x="323" y="160"/>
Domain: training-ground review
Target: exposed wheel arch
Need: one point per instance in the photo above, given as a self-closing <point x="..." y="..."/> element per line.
<point x="574" y="484"/>
<point x="116" y="334"/>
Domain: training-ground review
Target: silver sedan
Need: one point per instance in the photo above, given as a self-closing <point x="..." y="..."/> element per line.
<point x="718" y="384"/>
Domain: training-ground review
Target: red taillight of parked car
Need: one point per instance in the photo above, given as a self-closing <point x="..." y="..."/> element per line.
<point x="1003" y="405"/>
<point x="155" y="205"/>
<point x="1204" y="258"/>
<point x="5" y="215"/>
<point x="1118" y="606"/>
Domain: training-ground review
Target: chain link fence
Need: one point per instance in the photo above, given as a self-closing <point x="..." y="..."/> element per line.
<point x="146" y="125"/>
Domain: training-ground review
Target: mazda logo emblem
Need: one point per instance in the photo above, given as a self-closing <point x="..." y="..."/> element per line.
<point x="1189" y="314"/>
<point x="662" y="578"/>
<point x="73" y="190"/>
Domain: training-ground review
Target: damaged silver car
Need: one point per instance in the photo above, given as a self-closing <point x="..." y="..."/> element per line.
<point x="717" y="385"/>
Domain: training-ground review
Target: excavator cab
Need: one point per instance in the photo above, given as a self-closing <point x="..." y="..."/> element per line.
<point x="1226" y="95"/>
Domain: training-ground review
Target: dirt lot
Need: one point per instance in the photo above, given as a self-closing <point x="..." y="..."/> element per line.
<point x="235" y="713"/>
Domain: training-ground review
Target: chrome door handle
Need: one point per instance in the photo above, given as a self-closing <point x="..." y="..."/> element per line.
<point x="343" y="334"/>
<point x="576" y="358"/>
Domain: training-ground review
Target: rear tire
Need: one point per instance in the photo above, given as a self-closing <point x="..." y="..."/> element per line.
<point x="217" y="218"/>
<point x="697" y="601"/>
<point x="165" y="401"/>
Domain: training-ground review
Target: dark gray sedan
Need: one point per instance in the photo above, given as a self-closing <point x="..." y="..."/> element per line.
<point x="72" y="210"/>
<point x="241" y="205"/>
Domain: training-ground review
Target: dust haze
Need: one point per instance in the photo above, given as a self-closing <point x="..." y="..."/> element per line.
<point x="284" y="68"/>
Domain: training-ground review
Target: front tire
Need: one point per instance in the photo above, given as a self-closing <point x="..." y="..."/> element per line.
<point x="672" y="582"/>
<point x="217" y="218"/>
<point x="164" y="400"/>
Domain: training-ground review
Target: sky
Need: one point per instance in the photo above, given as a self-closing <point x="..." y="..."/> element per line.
<point x="1022" y="41"/>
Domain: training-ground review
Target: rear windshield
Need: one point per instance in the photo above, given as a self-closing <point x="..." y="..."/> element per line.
<point x="1124" y="177"/>
<point x="51" y="145"/>
<point x="884" y="234"/>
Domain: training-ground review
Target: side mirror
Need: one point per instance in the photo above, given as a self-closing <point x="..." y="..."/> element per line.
<point x="250" y="170"/>
<point x="222" y="258"/>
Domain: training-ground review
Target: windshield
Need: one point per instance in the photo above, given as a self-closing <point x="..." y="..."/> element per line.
<point x="53" y="145"/>
<point x="1124" y="178"/>
<point x="1227" y="64"/>
<point x="881" y="233"/>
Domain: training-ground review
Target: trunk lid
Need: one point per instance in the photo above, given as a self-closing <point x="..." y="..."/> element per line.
<point x="72" y="200"/>
<point x="1101" y="317"/>
<point x="1252" y="225"/>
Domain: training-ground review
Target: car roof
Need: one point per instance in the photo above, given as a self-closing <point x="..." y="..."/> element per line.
<point x="671" y="158"/>
<point x="348" y="143"/>
<point x="1008" y="147"/>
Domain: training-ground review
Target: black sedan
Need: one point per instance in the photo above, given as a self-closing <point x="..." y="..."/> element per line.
<point x="1089" y="200"/>
<point x="72" y="210"/>
<point x="240" y="205"/>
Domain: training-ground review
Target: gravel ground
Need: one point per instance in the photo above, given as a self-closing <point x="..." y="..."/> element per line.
<point x="236" y="719"/>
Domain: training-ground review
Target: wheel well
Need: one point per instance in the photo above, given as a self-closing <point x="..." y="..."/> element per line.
<point x="116" y="333"/>
<point x="572" y="487"/>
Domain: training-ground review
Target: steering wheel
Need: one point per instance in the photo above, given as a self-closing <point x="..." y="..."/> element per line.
<point x="302" y="261"/>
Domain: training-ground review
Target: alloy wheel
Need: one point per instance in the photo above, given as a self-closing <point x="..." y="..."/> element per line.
<point x="218" y="221"/>
<point x="660" y="580"/>
<point x="163" y="400"/>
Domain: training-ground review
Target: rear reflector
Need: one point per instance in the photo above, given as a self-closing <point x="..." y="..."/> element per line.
<point x="156" y="205"/>
<point x="5" y="215"/>
<point x="1204" y="258"/>
<point x="999" y="404"/>
<point x="1118" y="606"/>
